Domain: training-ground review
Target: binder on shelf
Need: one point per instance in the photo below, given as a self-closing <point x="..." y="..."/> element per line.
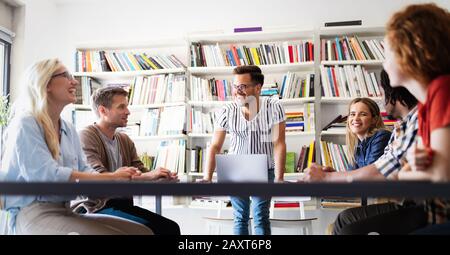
<point x="344" y="23"/>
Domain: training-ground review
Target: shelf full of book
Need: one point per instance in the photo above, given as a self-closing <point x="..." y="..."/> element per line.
<point x="154" y="74"/>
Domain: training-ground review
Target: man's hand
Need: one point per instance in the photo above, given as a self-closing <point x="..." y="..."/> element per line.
<point x="126" y="173"/>
<point x="203" y="181"/>
<point x="159" y="174"/>
<point x="316" y="173"/>
<point x="419" y="159"/>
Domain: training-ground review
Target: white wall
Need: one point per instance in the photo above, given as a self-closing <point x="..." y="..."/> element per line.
<point x="55" y="27"/>
<point x="6" y="15"/>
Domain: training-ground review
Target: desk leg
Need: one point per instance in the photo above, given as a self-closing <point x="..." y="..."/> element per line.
<point x="158" y="202"/>
<point x="363" y="201"/>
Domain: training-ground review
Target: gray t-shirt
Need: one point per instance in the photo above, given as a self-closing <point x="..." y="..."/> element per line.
<point x="113" y="151"/>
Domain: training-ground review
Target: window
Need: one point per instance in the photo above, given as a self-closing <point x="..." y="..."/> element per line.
<point x="5" y="52"/>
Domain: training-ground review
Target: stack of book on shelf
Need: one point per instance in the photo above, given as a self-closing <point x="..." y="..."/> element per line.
<point x="119" y="61"/>
<point x="201" y="122"/>
<point x="157" y="89"/>
<point x="172" y="120"/>
<point x="339" y="202"/>
<point x="294" y="86"/>
<point x="210" y="89"/>
<point x="259" y="54"/>
<point x="196" y="158"/>
<point x="306" y="157"/>
<point x="270" y="90"/>
<point x="295" y="121"/>
<point x="86" y="86"/>
<point x="337" y="124"/>
<point x="388" y="120"/>
<point x="352" y="48"/>
<point x="149" y="123"/>
<point x="210" y="202"/>
<point x="300" y="118"/>
<point x="334" y="155"/>
<point x="349" y="82"/>
<point x="171" y="155"/>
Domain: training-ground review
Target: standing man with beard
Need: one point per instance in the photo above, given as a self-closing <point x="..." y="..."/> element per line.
<point x="257" y="126"/>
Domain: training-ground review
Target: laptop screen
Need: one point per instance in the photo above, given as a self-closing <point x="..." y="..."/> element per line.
<point x="242" y="168"/>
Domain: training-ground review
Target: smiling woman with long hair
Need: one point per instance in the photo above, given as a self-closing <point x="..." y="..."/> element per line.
<point x="42" y="147"/>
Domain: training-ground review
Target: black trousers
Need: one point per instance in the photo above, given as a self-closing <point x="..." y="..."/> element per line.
<point x="158" y="224"/>
<point x="387" y="218"/>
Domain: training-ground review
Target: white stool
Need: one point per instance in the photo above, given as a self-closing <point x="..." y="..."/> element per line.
<point x="302" y="223"/>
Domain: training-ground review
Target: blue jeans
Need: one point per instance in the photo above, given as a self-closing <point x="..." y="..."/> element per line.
<point x="260" y="208"/>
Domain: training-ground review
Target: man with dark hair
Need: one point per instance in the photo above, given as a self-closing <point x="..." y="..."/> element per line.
<point x="386" y="218"/>
<point x="107" y="150"/>
<point x="257" y="126"/>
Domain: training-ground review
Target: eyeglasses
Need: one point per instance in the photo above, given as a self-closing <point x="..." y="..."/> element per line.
<point x="241" y="86"/>
<point x="65" y="74"/>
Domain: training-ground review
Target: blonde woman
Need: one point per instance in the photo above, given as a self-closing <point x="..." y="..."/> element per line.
<point x="42" y="147"/>
<point x="366" y="136"/>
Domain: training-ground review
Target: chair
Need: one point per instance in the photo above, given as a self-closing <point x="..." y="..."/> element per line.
<point x="303" y="224"/>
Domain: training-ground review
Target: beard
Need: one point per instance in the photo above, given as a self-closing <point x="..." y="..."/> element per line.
<point x="243" y="100"/>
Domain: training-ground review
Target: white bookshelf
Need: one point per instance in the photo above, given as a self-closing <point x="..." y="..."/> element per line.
<point x="331" y="107"/>
<point x="325" y="107"/>
<point x="343" y="100"/>
<point x="271" y="72"/>
<point x="128" y="74"/>
<point x="162" y="47"/>
<point x="130" y="107"/>
<point x="333" y="132"/>
<point x="227" y="70"/>
<point x="159" y="137"/>
<point x="353" y="62"/>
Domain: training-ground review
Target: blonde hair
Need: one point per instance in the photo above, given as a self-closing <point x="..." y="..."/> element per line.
<point x="351" y="138"/>
<point x="37" y="78"/>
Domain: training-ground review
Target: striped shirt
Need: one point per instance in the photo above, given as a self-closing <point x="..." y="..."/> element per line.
<point x="402" y="138"/>
<point x="253" y="136"/>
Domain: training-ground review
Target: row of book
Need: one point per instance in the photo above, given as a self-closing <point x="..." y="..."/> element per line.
<point x="157" y="89"/>
<point x="305" y="158"/>
<point x="171" y="155"/>
<point x="352" y="48"/>
<point x="203" y="55"/>
<point x="334" y="155"/>
<point x="295" y="86"/>
<point x="349" y="82"/>
<point x="86" y="86"/>
<point x="201" y="121"/>
<point x="210" y="89"/>
<point x="119" y="61"/>
<point x="196" y="159"/>
<point x="167" y="120"/>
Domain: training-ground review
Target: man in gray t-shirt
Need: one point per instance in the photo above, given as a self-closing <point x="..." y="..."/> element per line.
<point x="257" y="126"/>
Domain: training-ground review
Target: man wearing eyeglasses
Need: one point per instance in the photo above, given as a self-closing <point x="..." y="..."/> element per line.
<point x="257" y="126"/>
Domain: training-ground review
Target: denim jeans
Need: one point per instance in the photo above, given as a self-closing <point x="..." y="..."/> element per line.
<point x="260" y="209"/>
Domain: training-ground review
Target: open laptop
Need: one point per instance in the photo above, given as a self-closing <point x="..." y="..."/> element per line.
<point x="242" y="168"/>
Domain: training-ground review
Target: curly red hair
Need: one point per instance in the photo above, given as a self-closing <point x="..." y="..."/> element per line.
<point x="419" y="36"/>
